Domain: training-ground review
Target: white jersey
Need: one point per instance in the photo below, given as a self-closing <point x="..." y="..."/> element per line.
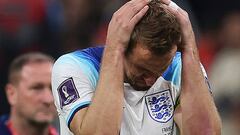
<point x="74" y="80"/>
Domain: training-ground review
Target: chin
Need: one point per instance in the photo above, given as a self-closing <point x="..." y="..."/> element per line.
<point x="141" y="88"/>
<point x="138" y="86"/>
<point x="44" y="118"/>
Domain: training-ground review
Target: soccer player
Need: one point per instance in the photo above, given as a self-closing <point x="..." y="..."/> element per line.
<point x="147" y="81"/>
<point x="29" y="94"/>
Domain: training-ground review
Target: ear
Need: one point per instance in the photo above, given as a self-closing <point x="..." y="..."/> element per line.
<point x="11" y="92"/>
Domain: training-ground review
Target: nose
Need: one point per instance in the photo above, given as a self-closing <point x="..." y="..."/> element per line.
<point x="47" y="96"/>
<point x="149" y="79"/>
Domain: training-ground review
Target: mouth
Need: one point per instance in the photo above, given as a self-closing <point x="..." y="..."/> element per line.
<point x="140" y="85"/>
<point x="47" y="111"/>
<point x="141" y="88"/>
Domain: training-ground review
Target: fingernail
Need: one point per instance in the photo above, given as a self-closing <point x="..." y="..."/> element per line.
<point x="173" y="5"/>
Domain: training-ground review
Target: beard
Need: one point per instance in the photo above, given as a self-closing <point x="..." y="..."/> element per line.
<point x="39" y="124"/>
<point x="137" y="84"/>
<point x="39" y="117"/>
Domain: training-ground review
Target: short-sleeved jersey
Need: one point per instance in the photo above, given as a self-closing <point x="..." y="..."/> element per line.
<point x="74" y="79"/>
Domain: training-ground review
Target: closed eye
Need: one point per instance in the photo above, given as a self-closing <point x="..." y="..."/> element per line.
<point x="37" y="86"/>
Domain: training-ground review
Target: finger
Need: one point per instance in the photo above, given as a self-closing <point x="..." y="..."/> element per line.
<point x="132" y="7"/>
<point x="167" y="2"/>
<point x="138" y="16"/>
<point x="178" y="12"/>
<point x="173" y="5"/>
<point x="183" y="19"/>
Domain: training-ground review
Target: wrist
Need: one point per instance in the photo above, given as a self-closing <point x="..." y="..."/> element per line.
<point x="190" y="50"/>
<point x="187" y="51"/>
<point x="113" y="55"/>
<point x="117" y="49"/>
<point x="114" y="46"/>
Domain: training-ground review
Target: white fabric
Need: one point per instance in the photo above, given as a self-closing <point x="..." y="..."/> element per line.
<point x="137" y="119"/>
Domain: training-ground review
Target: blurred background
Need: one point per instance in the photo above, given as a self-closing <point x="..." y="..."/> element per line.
<point x="56" y="27"/>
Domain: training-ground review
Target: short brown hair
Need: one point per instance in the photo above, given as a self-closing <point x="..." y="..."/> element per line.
<point x="22" y="60"/>
<point x="158" y="30"/>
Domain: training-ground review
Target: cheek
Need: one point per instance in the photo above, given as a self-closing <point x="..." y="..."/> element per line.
<point x="27" y="98"/>
<point x="132" y="73"/>
<point x="128" y="74"/>
<point x="131" y="70"/>
<point x="25" y="105"/>
<point x="127" y="70"/>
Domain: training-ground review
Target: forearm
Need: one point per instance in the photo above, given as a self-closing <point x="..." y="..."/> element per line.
<point x="104" y="114"/>
<point x="199" y="114"/>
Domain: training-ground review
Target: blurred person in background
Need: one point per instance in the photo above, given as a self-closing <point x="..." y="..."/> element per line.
<point x="26" y="26"/>
<point x="208" y="48"/>
<point x="228" y="58"/>
<point x="81" y="20"/>
<point x="209" y="20"/>
<point x="225" y="73"/>
<point x="29" y="94"/>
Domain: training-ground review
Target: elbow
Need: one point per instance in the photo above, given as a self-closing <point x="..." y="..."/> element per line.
<point x="217" y="127"/>
<point x="214" y="128"/>
<point x="205" y="126"/>
<point x="97" y="132"/>
<point x="213" y="131"/>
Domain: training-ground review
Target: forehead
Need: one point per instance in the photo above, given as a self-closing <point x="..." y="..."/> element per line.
<point x="36" y="69"/>
<point x="142" y="56"/>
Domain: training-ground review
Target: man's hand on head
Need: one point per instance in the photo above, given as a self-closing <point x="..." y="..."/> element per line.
<point x="193" y="85"/>
<point x="188" y="42"/>
<point x="123" y="23"/>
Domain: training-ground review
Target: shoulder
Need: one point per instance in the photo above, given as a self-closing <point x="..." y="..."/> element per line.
<point x="3" y="128"/>
<point x="84" y="64"/>
<point x="80" y="58"/>
<point x="173" y="72"/>
<point x="4" y="119"/>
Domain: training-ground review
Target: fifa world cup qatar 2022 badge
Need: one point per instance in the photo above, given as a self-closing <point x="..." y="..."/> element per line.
<point x="160" y="106"/>
<point x="67" y="92"/>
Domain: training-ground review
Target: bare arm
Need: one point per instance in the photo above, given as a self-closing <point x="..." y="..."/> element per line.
<point x="103" y="116"/>
<point x="197" y="113"/>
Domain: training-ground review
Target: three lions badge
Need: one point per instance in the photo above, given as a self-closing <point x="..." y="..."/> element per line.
<point x="160" y="106"/>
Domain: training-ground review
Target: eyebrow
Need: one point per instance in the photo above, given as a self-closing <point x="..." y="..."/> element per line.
<point x="168" y="64"/>
<point x="165" y="66"/>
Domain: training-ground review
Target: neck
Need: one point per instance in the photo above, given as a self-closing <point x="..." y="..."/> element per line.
<point x="26" y="127"/>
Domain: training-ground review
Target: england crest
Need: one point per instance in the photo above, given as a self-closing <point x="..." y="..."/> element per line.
<point x="160" y="106"/>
